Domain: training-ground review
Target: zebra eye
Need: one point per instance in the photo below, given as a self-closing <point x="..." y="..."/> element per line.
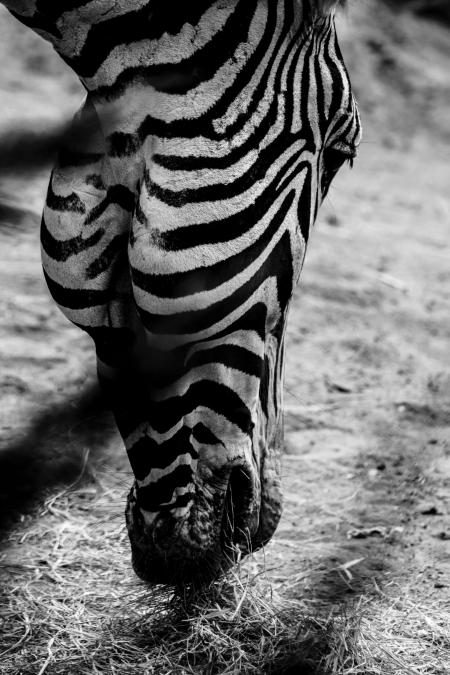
<point x="333" y="158"/>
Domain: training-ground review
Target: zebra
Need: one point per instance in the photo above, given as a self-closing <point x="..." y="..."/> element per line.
<point x="174" y="231"/>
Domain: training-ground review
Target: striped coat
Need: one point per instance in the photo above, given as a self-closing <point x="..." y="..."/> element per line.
<point x="175" y="228"/>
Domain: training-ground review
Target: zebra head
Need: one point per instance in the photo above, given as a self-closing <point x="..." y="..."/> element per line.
<point x="174" y="233"/>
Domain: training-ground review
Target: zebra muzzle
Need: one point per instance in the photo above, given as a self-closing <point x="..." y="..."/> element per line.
<point x="201" y="543"/>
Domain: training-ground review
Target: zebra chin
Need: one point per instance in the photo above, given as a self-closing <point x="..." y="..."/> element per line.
<point x="197" y="544"/>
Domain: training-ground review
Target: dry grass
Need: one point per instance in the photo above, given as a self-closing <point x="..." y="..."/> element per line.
<point x="71" y="604"/>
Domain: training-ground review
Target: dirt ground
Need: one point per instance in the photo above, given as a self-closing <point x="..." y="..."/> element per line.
<point x="367" y="393"/>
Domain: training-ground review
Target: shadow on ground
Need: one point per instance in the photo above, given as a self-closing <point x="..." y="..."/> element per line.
<point x="52" y="452"/>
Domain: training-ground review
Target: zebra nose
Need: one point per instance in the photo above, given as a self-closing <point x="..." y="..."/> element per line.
<point x="241" y="513"/>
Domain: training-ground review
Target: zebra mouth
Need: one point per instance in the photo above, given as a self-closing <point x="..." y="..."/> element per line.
<point x="204" y="545"/>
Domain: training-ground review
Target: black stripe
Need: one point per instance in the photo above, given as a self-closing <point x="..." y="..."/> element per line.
<point x="147" y="454"/>
<point x="202" y="125"/>
<point x="106" y="258"/>
<point x="195" y="163"/>
<point x="117" y="194"/>
<point x="254" y="319"/>
<point x="234" y="226"/>
<point x="305" y="96"/>
<point x="149" y="22"/>
<point x="73" y="298"/>
<point x="182" y="284"/>
<point x="264" y="387"/>
<point x="201" y="162"/>
<point x="61" y="250"/>
<point x="231" y="356"/>
<point x="71" y="203"/>
<point x="205" y="436"/>
<point x="304" y="206"/>
<point x="278" y="369"/>
<point x="132" y="27"/>
<point x="104" y="36"/>
<point x="163" y="415"/>
<point x="337" y="83"/>
<point x="278" y="264"/>
<point x="322" y="118"/>
<point x="165" y="20"/>
<point x="268" y="157"/>
<point x="128" y="402"/>
<point x="152" y="496"/>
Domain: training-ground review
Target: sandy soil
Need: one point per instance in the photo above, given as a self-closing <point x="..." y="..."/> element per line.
<point x="367" y="459"/>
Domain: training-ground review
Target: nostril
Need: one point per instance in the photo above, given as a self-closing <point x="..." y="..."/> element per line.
<point x="239" y="490"/>
<point x="235" y="526"/>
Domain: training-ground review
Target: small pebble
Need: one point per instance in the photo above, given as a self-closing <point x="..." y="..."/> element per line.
<point x="429" y="510"/>
<point x="443" y="536"/>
